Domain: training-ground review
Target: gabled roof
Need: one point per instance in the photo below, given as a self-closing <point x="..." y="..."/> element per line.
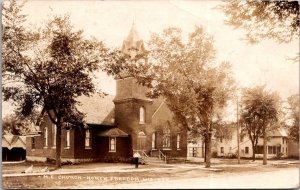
<point x="114" y="132"/>
<point x="98" y="109"/>
<point x="13" y="141"/>
<point x="280" y="132"/>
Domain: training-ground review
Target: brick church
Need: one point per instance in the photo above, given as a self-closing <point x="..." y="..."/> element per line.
<point x="117" y="126"/>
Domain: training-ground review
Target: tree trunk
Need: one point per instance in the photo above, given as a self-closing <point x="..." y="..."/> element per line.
<point x="265" y="147"/>
<point x="58" y="143"/>
<point x="208" y="148"/>
<point x="253" y="152"/>
<point x="205" y="148"/>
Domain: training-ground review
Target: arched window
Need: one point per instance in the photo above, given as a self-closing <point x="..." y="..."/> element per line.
<point x="167" y="137"/>
<point x="153" y="141"/>
<point x="178" y="141"/>
<point x="54" y="135"/>
<point x="46" y="136"/>
<point x="142" y="115"/>
<point x="68" y="138"/>
<point x="87" y="139"/>
<point x="112" y="144"/>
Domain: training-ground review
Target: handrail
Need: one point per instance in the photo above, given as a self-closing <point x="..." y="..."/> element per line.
<point x="144" y="153"/>
<point x="160" y="153"/>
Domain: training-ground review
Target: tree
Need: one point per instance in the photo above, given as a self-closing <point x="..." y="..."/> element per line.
<point x="259" y="115"/>
<point x="195" y="89"/>
<point x="15" y="125"/>
<point x="46" y="70"/>
<point x="293" y="102"/>
<point x="278" y="20"/>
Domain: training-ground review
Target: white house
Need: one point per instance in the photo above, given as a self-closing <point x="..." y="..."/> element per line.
<point x="277" y="144"/>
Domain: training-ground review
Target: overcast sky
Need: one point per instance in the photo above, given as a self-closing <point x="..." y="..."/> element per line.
<point x="110" y="21"/>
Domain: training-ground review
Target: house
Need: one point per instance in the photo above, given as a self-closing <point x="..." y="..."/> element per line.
<point x="195" y="149"/>
<point x="13" y="147"/>
<point x="116" y="126"/>
<point x="277" y="145"/>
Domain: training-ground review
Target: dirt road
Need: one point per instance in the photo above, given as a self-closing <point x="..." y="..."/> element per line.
<point x="281" y="178"/>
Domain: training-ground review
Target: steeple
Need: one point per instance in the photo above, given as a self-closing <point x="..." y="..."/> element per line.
<point x="133" y="45"/>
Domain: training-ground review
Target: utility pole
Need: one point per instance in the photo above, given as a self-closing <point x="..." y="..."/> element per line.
<point x="238" y="131"/>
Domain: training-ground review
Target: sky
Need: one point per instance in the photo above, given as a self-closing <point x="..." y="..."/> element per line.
<point x="110" y="21"/>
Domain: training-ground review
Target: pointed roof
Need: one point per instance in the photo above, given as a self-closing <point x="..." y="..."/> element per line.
<point x="13" y="141"/>
<point x="133" y="45"/>
<point x="113" y="132"/>
<point x="133" y="36"/>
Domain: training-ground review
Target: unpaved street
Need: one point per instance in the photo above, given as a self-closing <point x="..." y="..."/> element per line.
<point x="281" y="178"/>
<point x="225" y="174"/>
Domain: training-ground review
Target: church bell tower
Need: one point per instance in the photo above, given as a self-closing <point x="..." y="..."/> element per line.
<point x="131" y="104"/>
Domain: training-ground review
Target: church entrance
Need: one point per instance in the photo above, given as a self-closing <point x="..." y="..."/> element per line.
<point x="141" y="141"/>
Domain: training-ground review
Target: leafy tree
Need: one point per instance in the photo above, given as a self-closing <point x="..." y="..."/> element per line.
<point x="259" y="114"/>
<point x="48" y="69"/>
<point x="195" y="89"/>
<point x="293" y="101"/>
<point x="17" y="125"/>
<point x="278" y="20"/>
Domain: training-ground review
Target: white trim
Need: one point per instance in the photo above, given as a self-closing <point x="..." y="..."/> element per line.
<point x="158" y="108"/>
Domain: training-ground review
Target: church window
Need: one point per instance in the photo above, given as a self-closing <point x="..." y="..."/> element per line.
<point x="166" y="137"/>
<point x="142" y="115"/>
<point x="54" y="128"/>
<point x="32" y="143"/>
<point x="87" y="138"/>
<point x="153" y="141"/>
<point x="112" y="144"/>
<point x="178" y="141"/>
<point x="46" y="136"/>
<point x="68" y="138"/>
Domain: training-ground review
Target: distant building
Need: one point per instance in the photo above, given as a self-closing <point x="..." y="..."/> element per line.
<point x="13" y="148"/>
<point x="195" y="149"/>
<point x="277" y="144"/>
<point x="117" y="126"/>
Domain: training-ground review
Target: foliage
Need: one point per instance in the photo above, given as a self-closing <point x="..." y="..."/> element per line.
<point x="278" y="20"/>
<point x="259" y="113"/>
<point x="293" y="101"/>
<point x="46" y="70"/>
<point x="224" y="131"/>
<point x="194" y="88"/>
<point x="17" y="125"/>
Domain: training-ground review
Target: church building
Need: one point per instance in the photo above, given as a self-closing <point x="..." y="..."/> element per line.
<point x="117" y="126"/>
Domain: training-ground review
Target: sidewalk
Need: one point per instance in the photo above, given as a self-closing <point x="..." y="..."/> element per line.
<point x="107" y="169"/>
<point x="195" y="163"/>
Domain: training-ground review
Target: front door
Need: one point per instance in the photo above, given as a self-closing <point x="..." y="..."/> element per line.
<point x="141" y="141"/>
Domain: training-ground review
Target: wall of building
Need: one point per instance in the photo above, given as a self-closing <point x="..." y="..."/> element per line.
<point x="41" y="150"/>
<point x="230" y="146"/>
<point x="129" y="98"/>
<point x="163" y="117"/>
<point x="99" y="149"/>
